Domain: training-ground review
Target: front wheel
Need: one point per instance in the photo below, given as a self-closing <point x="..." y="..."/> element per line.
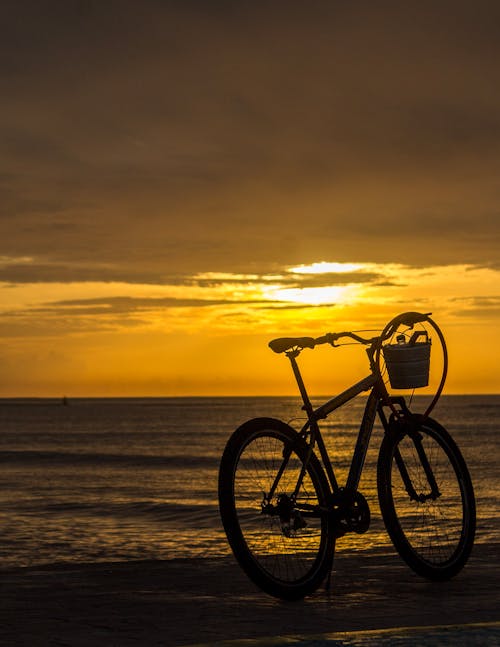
<point x="426" y="497"/>
<point x="282" y="538"/>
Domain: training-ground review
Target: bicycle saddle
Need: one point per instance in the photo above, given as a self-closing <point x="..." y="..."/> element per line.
<point x="282" y="344"/>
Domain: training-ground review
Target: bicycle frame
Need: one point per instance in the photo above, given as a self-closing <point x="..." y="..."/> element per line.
<point x="374" y="405"/>
<point x="311" y="427"/>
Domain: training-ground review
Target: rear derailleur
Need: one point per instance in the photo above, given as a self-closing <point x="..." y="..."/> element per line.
<point x="290" y="518"/>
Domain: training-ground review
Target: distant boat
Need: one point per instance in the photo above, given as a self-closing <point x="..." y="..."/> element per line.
<point x="65" y="402"/>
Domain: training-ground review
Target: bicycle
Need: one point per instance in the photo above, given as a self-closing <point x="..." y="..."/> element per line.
<point x="281" y="505"/>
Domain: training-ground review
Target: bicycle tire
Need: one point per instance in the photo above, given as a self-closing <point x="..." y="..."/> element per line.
<point x="433" y="535"/>
<point x="286" y="562"/>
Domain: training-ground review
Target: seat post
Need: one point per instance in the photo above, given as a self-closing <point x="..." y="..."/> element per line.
<point x="308" y="408"/>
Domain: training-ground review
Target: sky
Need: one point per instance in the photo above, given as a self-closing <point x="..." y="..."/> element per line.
<point x="180" y="182"/>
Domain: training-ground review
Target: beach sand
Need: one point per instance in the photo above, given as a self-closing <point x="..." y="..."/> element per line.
<point x="208" y="601"/>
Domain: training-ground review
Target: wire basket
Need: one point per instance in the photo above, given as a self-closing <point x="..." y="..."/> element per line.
<point x="408" y="364"/>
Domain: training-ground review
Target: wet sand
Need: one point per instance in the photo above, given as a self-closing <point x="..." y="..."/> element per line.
<point x="207" y="601"/>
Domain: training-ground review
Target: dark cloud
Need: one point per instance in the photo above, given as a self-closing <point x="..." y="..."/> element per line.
<point x="107" y="305"/>
<point x="292" y="279"/>
<point x="169" y="137"/>
<point x="97" y="315"/>
<point x="484" y="307"/>
<point x="17" y="273"/>
<point x="296" y="306"/>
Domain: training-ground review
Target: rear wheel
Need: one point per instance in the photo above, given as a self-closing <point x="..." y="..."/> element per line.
<point x="426" y="497"/>
<point x="283" y="542"/>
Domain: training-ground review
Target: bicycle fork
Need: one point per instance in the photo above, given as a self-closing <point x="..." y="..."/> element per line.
<point x="405" y="423"/>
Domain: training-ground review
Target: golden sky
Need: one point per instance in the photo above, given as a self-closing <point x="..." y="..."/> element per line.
<point x="182" y="181"/>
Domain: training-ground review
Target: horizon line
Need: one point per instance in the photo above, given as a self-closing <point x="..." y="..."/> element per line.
<point x="213" y="396"/>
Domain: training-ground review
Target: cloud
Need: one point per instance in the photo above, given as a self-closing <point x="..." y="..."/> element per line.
<point x="67" y="272"/>
<point x="106" y="305"/>
<point x="484" y="307"/>
<point x="18" y="270"/>
<point x="166" y="137"/>
<point x="290" y="279"/>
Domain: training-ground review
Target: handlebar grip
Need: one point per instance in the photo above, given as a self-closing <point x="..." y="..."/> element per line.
<point x="329" y="338"/>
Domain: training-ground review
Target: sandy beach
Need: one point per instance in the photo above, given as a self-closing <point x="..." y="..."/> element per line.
<point x="210" y="601"/>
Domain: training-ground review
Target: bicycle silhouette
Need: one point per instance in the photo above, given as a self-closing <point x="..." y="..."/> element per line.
<point x="282" y="507"/>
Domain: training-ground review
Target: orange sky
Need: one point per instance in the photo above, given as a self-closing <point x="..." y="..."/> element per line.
<point x="181" y="182"/>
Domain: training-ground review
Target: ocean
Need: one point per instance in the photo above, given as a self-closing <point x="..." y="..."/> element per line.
<point x="103" y="480"/>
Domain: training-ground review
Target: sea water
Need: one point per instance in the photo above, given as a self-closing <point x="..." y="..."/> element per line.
<point x="131" y="479"/>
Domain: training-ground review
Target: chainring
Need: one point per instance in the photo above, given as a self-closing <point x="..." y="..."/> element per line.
<point x="350" y="510"/>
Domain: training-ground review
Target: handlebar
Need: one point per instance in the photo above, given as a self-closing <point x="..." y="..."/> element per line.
<point x="292" y="346"/>
<point x="285" y="344"/>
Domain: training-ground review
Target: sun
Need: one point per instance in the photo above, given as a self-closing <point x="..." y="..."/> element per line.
<point x="316" y="295"/>
<point x="330" y="295"/>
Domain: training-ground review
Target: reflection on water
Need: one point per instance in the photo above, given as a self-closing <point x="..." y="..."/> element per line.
<point x="137" y="479"/>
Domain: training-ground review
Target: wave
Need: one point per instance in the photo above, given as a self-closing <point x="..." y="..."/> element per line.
<point x="190" y="514"/>
<point x="102" y="459"/>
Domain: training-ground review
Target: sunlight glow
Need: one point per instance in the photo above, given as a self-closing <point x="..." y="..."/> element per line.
<point x="159" y="331"/>
<point x="324" y="267"/>
<point x="16" y="260"/>
<point x="314" y="296"/>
